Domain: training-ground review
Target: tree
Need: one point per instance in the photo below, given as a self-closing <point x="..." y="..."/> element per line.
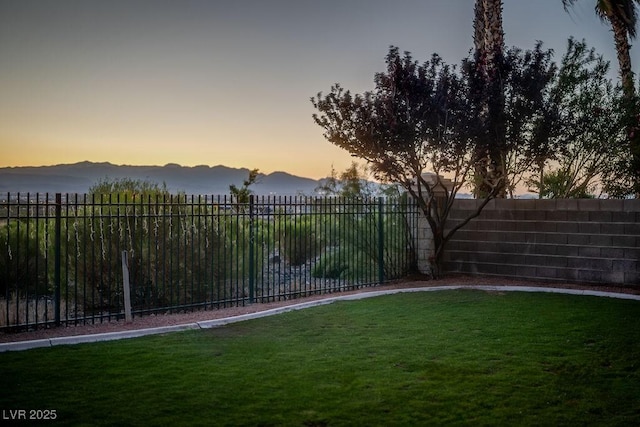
<point x="564" y="184"/>
<point x="584" y="121"/>
<point x="487" y="92"/>
<point x="418" y="117"/>
<point x="242" y="194"/>
<point x="530" y="119"/>
<point x="351" y="183"/>
<point x="427" y="117"/>
<point x="622" y="16"/>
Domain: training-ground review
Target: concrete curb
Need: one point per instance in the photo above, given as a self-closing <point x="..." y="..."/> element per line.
<point x="110" y="336"/>
<point x="215" y="323"/>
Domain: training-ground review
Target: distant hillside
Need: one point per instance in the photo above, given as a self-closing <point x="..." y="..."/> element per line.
<point x="79" y="177"/>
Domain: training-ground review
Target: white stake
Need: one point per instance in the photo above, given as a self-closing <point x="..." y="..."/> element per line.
<point x="126" y="288"/>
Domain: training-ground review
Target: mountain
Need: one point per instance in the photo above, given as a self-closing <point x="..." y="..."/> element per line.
<point x="79" y="177"/>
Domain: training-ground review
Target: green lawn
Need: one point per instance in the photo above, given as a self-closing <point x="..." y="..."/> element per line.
<point x="433" y="358"/>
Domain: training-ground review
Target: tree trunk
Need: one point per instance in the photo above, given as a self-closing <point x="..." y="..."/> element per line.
<point x="541" y="188"/>
<point x="489" y="44"/>
<point x="435" y="261"/>
<point x="632" y="113"/>
<point x="623" y="49"/>
<point x="493" y="33"/>
<point x="479" y="27"/>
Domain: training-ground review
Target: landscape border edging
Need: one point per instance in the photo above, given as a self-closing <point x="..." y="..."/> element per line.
<point x="215" y="323"/>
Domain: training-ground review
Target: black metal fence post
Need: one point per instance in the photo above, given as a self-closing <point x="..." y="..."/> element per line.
<point x="252" y="238"/>
<point x="380" y="241"/>
<point x="57" y="257"/>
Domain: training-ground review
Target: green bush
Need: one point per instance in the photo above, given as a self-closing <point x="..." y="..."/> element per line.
<point x="356" y="235"/>
<point x="23" y="264"/>
<point x="331" y="265"/>
<point x="299" y="239"/>
<point x="172" y="244"/>
<point x="346" y="264"/>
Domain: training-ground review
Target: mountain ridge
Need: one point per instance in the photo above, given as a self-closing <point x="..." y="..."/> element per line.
<point x="201" y="179"/>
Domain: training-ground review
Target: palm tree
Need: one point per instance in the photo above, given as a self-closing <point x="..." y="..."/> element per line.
<point x="489" y="35"/>
<point x="622" y="15"/>
<point x="489" y="54"/>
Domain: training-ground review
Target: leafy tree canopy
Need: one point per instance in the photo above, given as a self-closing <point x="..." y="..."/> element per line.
<point x="419" y="117"/>
<point x="242" y="194"/>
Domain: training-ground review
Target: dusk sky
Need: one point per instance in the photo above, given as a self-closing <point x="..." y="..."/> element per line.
<point x="199" y="82"/>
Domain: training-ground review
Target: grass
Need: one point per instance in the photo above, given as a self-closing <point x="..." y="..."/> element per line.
<point x="444" y="358"/>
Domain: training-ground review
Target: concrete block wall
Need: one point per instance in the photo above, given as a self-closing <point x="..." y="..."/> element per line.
<point x="593" y="241"/>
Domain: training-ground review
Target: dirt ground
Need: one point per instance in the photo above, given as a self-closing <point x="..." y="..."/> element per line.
<point x="152" y="321"/>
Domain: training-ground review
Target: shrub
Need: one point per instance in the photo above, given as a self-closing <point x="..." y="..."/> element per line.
<point x="299" y="239"/>
<point x="23" y="264"/>
<point x="331" y="265"/>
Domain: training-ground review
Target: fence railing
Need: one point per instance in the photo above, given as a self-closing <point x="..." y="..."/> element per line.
<point x="61" y="256"/>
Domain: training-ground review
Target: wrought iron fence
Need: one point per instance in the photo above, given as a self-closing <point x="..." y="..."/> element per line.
<point x="61" y="259"/>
